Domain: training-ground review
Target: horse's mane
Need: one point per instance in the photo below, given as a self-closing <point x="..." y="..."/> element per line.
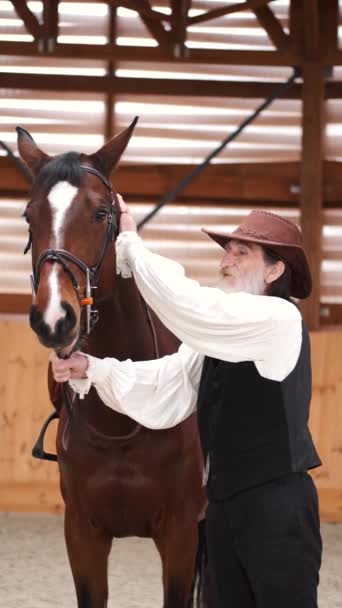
<point x="65" y="167"/>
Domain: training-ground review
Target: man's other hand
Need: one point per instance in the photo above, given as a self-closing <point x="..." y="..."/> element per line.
<point x="126" y="220"/>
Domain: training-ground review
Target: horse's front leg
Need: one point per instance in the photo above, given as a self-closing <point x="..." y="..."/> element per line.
<point x="88" y="550"/>
<point x="177" y="544"/>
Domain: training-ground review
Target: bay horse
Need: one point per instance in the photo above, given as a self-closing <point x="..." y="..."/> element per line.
<point x="117" y="477"/>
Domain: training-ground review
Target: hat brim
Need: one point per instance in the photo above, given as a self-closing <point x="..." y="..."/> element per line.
<point x="301" y="286"/>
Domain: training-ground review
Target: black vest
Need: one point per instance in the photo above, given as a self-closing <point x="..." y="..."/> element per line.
<point x="254" y="429"/>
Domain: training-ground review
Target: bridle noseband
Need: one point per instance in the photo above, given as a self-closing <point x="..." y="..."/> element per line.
<point x="63" y="257"/>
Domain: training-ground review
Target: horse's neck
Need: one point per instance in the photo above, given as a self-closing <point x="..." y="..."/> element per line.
<point x="123" y="330"/>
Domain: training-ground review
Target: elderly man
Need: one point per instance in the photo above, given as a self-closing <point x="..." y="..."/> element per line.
<point x="244" y="363"/>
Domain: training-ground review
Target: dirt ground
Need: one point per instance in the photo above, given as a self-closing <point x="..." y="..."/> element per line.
<point x="34" y="569"/>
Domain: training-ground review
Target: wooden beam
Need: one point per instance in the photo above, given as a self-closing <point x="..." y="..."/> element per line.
<point x="331" y="314"/>
<point x="156" y="28"/>
<point x="329" y="18"/>
<point x="296" y="20"/>
<point x="152" y="21"/>
<point x="180" y="9"/>
<point x="50" y="28"/>
<point x="312" y="183"/>
<point x="333" y="58"/>
<point x="143" y="9"/>
<point x="140" y="86"/>
<point x="272" y="27"/>
<point x="333" y="89"/>
<point x="30" y="20"/>
<point x="271" y="182"/>
<point x="311" y="29"/>
<point x="227" y="10"/>
<point x="259" y="181"/>
<point x="157" y="54"/>
<point x="109" y="127"/>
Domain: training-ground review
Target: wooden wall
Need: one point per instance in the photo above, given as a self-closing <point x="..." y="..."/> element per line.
<point x="326" y="419"/>
<point x="27" y="484"/>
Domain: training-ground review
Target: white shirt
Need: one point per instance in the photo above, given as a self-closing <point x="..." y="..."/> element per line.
<point x="228" y="326"/>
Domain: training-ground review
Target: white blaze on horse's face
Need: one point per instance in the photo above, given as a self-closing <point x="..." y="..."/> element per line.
<point x="60" y="199"/>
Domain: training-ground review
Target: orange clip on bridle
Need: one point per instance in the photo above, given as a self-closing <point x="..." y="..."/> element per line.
<point x="87" y="302"/>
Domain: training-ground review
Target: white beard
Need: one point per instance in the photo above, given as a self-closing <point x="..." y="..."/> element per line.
<point x="253" y="283"/>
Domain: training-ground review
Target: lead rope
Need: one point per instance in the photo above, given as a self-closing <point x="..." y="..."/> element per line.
<point x="153" y="329"/>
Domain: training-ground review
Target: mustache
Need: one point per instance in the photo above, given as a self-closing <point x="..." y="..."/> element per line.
<point x="229" y="272"/>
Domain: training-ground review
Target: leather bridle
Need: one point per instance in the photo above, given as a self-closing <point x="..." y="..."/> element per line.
<point x="65" y="257"/>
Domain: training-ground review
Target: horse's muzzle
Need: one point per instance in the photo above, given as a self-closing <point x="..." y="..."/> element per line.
<point x="63" y="333"/>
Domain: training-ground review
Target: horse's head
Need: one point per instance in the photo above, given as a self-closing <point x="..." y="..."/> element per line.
<point x="72" y="225"/>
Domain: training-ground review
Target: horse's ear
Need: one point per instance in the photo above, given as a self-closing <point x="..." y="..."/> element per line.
<point x="109" y="155"/>
<point x="29" y="151"/>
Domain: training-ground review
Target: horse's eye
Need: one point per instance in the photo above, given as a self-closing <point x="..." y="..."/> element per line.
<point x="100" y="215"/>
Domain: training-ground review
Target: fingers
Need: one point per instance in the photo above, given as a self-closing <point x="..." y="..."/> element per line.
<point x="122" y="205"/>
<point x="60" y="368"/>
<point x="62" y="377"/>
<point x="79" y="366"/>
<point x="126" y="220"/>
<point x="64" y="369"/>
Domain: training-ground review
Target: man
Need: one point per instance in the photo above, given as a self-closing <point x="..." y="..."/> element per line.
<point x="245" y="364"/>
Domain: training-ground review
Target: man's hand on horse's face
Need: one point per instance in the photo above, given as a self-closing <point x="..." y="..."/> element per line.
<point x="73" y="368"/>
<point x="126" y="220"/>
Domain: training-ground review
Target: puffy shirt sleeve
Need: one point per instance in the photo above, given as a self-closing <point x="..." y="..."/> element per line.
<point x="157" y="394"/>
<point x="228" y="326"/>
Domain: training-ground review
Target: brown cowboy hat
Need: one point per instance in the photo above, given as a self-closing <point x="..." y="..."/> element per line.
<point x="279" y="234"/>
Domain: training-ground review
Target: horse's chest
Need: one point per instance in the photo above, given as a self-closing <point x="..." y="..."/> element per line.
<point x="129" y="488"/>
<point x="119" y="495"/>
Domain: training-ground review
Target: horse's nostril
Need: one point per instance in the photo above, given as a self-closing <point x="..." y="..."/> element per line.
<point x="65" y="325"/>
<point x="37" y="322"/>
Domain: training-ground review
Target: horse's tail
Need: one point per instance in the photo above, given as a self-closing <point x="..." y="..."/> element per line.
<point x="200" y="586"/>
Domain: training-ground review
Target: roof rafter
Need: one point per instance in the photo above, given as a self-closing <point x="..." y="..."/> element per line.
<point x="30" y="20"/>
<point x="151" y="19"/>
<point x="329" y="16"/>
<point x="45" y="33"/>
<point x="142" y="8"/>
<point x="272" y="26"/>
<point x="311" y="28"/>
<point x="180" y="9"/>
<point x="109" y="120"/>
<point x="50" y="15"/>
<point x="227" y="10"/>
<point x="296" y="18"/>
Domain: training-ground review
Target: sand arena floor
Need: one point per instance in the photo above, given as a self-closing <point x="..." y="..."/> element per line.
<point x="34" y="569"/>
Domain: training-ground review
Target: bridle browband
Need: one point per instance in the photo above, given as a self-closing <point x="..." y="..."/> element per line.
<point x="63" y="257"/>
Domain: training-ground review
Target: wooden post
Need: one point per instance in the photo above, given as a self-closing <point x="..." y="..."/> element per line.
<point x="109" y="127"/>
<point x="312" y="182"/>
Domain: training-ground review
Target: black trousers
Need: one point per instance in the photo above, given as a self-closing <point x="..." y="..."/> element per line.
<point x="265" y="547"/>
